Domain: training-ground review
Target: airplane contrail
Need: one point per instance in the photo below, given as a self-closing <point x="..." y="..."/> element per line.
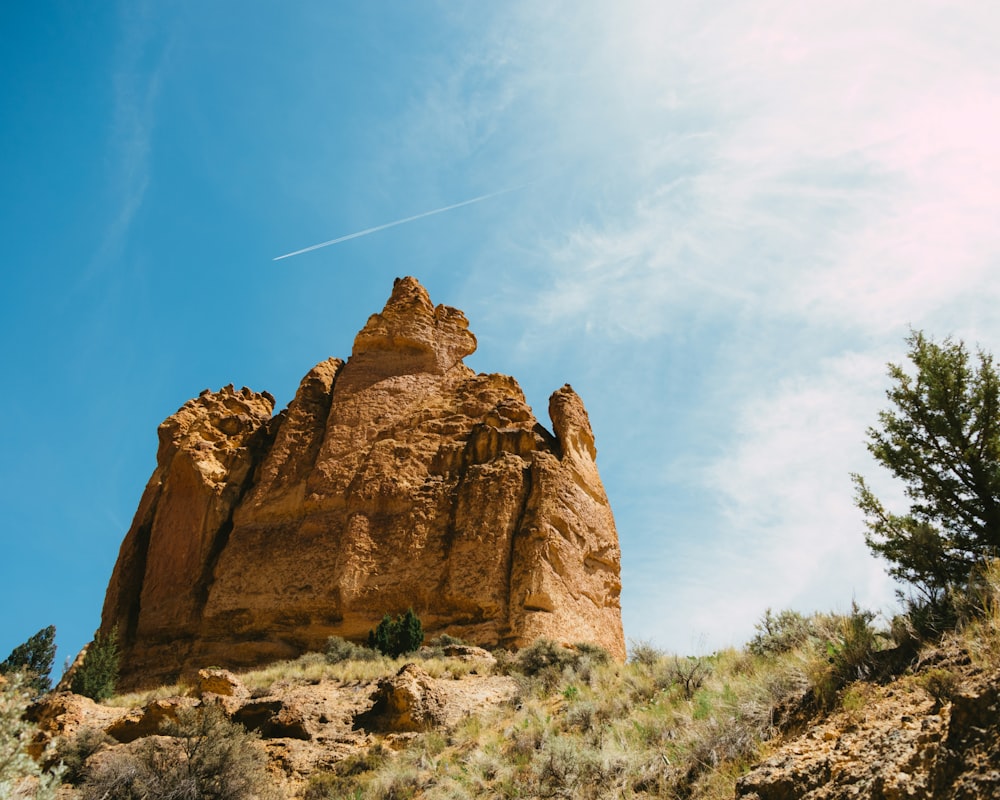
<point x="377" y="228"/>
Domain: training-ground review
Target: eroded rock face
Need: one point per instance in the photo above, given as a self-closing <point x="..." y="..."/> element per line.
<point x="396" y="479"/>
<point x="901" y="743"/>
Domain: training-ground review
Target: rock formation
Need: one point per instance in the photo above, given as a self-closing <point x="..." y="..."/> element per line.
<point x="901" y="742"/>
<point x="396" y="479"/>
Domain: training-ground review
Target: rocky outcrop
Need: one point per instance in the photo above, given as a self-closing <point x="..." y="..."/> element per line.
<point x="894" y="742"/>
<point x="305" y="725"/>
<point x="399" y="478"/>
<point x="405" y="703"/>
<point x="412" y="701"/>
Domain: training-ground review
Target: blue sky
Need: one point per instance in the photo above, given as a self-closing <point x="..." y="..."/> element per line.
<point x="723" y="219"/>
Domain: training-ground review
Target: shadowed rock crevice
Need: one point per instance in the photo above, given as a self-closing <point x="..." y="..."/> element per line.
<point x="399" y="478"/>
<point x="257" y="446"/>
<point x="132" y="584"/>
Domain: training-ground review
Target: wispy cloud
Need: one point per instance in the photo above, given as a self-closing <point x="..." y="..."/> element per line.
<point x="841" y="165"/>
<point x="806" y="180"/>
<point x="140" y="60"/>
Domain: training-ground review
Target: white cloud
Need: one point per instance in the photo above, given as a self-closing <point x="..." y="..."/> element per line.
<point x="835" y="162"/>
<point x="797" y="182"/>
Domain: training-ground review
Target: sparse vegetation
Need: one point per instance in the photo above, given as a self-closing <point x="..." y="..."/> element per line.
<point x="584" y="726"/>
<point x="207" y="757"/>
<point x="338" y="650"/>
<point x="580" y="725"/>
<point x="20" y="775"/>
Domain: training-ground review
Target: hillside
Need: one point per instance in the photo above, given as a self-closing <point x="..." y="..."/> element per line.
<point x="783" y="718"/>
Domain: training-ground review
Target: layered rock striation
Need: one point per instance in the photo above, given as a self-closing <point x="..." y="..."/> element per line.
<point x="399" y="478"/>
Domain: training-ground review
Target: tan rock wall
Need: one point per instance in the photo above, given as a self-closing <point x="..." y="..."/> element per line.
<point x="397" y="479"/>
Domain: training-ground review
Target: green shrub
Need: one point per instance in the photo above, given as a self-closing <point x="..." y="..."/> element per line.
<point x="644" y="653"/>
<point x="394" y="637"/>
<point x="18" y="770"/>
<point x="779" y="634"/>
<point x="343" y="780"/>
<point x="927" y="620"/>
<point x="74" y="752"/>
<point x="849" y="654"/>
<point x="97" y="675"/>
<point x="852" y="655"/>
<point x="34" y="659"/>
<point x="941" y="684"/>
<point x="210" y="758"/>
<point x="593" y="653"/>
<point x="331" y="786"/>
<point x="542" y="655"/>
<point x="338" y="649"/>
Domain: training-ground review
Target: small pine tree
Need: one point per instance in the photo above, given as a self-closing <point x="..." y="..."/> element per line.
<point x="97" y="675"/>
<point x="411" y="632"/>
<point x="394" y="637"/>
<point x="34" y="658"/>
<point x="381" y="637"/>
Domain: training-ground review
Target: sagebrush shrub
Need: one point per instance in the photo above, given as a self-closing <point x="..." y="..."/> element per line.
<point x="689" y="673"/>
<point x="644" y="653"/>
<point x="210" y="758"/>
<point x="779" y="634"/>
<point x="445" y="639"/>
<point x="74" y="751"/>
<point x="544" y="654"/>
<point x="338" y="649"/>
<point x="18" y="770"/>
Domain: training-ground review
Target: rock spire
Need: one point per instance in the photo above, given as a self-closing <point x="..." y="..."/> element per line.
<point x="396" y="479"/>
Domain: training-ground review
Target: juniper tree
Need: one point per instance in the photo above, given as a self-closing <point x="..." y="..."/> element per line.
<point x="97" y="675"/>
<point x="394" y="637"/>
<point x="941" y="438"/>
<point x="34" y="658"/>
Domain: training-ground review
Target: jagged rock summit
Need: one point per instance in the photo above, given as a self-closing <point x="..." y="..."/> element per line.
<point x="396" y="479"/>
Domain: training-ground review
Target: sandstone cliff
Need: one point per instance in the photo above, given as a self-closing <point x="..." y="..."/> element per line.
<point x="396" y="479"/>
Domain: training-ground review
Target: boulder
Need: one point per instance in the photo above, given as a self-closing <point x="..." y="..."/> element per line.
<point x="407" y="702"/>
<point x="148" y="721"/>
<point x="275" y="719"/>
<point x="222" y="687"/>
